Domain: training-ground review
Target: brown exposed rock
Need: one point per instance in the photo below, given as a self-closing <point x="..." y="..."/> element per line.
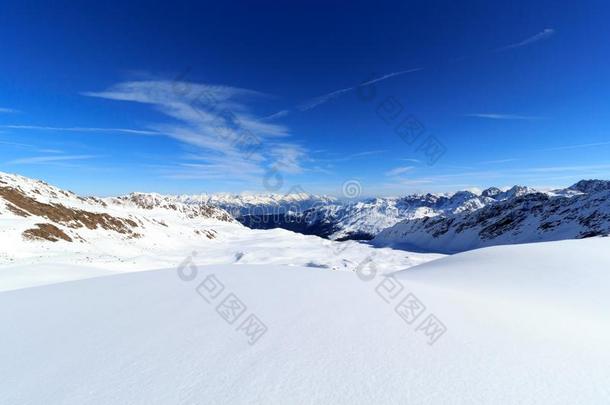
<point x="73" y="218"/>
<point x="208" y="211"/>
<point x="210" y="234"/>
<point x="141" y="202"/>
<point x="95" y="200"/>
<point x="46" y="232"/>
<point x="16" y="210"/>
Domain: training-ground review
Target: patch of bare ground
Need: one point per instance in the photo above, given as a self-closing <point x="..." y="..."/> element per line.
<point x="210" y="234"/>
<point x="95" y="200"/>
<point x="208" y="211"/>
<point x="74" y="218"/>
<point x="16" y="210"/>
<point x="46" y="232"/>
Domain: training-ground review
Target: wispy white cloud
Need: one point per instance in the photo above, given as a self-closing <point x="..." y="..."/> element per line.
<point x="389" y="75"/>
<point x="316" y="101"/>
<point x="344" y="158"/>
<point x="525" y="175"/>
<point x="49" y="159"/>
<point x="216" y="168"/>
<point x="556" y="148"/>
<point x="276" y="115"/>
<point x="570" y="168"/>
<point x="397" y="171"/>
<point x="412" y="182"/>
<point x="27" y="146"/>
<point x="81" y="129"/>
<point x="492" y="162"/>
<point x="366" y="153"/>
<point x="579" y="146"/>
<point x="494" y="116"/>
<point x="4" y="110"/>
<point x="218" y="121"/>
<point x="288" y="157"/>
<point x="17" y="144"/>
<point x="545" y="34"/>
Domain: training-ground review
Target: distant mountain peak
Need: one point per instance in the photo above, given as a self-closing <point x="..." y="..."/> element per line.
<point x="590" y="186"/>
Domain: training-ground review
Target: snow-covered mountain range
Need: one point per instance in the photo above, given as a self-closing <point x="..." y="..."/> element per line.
<point x="33" y="210"/>
<point x="51" y="214"/>
<point x="579" y="211"/>
<point x="444" y="223"/>
<point x="43" y="226"/>
<point x="337" y="219"/>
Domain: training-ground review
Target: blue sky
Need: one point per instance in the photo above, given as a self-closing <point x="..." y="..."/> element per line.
<point x="401" y="97"/>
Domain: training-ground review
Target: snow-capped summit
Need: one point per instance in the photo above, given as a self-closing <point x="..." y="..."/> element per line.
<point x="521" y="215"/>
<point x="514" y="191"/>
<point x="154" y="201"/>
<point x="432" y="222"/>
<point x="32" y="212"/>
<point x="364" y="219"/>
<point x="491" y="192"/>
<point x="590" y="186"/>
<point x="258" y="204"/>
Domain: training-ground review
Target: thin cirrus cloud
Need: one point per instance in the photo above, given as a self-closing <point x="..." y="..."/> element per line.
<point x="288" y="157"/>
<point x="276" y="115"/>
<point x="556" y="148"/>
<point x="495" y="116"/>
<point x="397" y="171"/>
<point x="4" y="110"/>
<point x="81" y="129"/>
<point x="541" y="36"/>
<point x="218" y="122"/>
<point x="27" y="146"/>
<point x="522" y="174"/>
<point x="579" y="146"/>
<point x="317" y="101"/>
<point x="49" y="159"/>
<point x="365" y="153"/>
<point x="344" y="158"/>
<point x="499" y="161"/>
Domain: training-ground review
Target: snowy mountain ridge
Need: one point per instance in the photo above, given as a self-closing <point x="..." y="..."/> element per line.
<point x="345" y="219"/>
<point x="443" y="223"/>
<point x="88" y="236"/>
<point x="579" y="211"/>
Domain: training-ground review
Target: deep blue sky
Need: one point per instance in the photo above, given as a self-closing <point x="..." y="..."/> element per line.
<point x="513" y="93"/>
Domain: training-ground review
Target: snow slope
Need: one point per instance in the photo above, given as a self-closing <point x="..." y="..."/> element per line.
<point x="46" y="262"/>
<point x="524" y="324"/>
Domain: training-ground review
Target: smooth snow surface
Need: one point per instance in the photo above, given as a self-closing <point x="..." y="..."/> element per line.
<point x="525" y="324"/>
<point x="234" y="244"/>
